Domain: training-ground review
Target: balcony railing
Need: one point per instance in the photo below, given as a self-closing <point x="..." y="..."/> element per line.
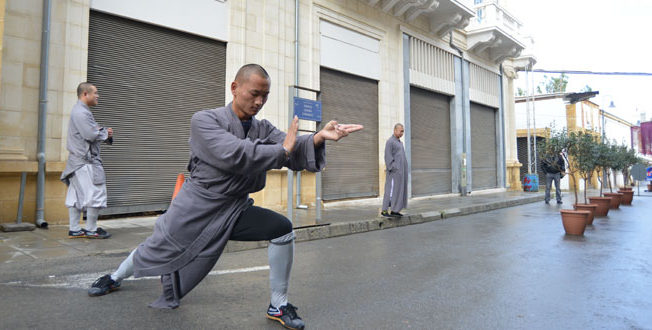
<point x="491" y="14"/>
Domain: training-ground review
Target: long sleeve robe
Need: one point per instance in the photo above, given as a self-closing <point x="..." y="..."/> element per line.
<point x="396" y="175"/>
<point x="83" y="143"/>
<point x="225" y="168"/>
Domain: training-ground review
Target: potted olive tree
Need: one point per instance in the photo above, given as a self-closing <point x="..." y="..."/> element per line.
<point x="602" y="161"/>
<point x="613" y="164"/>
<point x="628" y="158"/>
<point x="574" y="221"/>
<point x="582" y="149"/>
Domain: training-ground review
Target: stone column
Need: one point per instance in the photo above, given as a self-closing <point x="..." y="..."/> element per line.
<point x="513" y="167"/>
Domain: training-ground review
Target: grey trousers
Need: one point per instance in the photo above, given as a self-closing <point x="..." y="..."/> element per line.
<point x="549" y="178"/>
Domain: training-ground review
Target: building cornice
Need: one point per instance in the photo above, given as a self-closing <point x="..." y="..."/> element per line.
<point x="442" y="15"/>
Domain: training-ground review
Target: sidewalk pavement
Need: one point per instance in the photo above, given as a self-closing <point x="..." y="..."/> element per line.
<point x="339" y="218"/>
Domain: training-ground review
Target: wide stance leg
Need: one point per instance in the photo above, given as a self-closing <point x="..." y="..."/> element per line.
<point x="126" y="268"/>
<point x="281" y="256"/>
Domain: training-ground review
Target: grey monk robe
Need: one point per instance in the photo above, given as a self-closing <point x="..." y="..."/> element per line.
<point x="396" y="175"/>
<point x="225" y="166"/>
<point x="84" y="139"/>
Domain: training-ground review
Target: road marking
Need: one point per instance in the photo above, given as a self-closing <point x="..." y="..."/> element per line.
<point x="84" y="281"/>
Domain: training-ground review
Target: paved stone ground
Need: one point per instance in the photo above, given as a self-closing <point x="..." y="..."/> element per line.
<point x="338" y="219"/>
<point x="508" y="268"/>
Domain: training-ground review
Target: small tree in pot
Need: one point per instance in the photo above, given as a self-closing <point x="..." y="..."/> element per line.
<point x="574" y="222"/>
<point x="611" y="164"/>
<point x="582" y="150"/>
<point x="629" y="159"/>
<point x="602" y="161"/>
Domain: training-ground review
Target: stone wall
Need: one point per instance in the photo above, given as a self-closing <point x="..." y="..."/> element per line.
<point x="19" y="98"/>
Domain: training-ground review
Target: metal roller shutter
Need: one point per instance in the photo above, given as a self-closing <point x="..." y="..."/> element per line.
<point x="352" y="163"/>
<point x="483" y="146"/>
<point x="150" y="80"/>
<point x="522" y="158"/>
<point x="431" y="142"/>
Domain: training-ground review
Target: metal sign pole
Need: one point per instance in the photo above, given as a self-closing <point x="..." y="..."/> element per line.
<point x="290" y="173"/>
<point x="310" y="116"/>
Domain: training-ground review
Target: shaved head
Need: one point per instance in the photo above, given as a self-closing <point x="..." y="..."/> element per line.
<point x="246" y="70"/>
<point x="84" y="87"/>
<point x="398" y="130"/>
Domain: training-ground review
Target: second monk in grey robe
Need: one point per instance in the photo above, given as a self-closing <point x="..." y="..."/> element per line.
<point x="396" y="174"/>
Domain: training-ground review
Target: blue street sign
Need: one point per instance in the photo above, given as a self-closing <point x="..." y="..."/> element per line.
<point x="649" y="173"/>
<point x="307" y="109"/>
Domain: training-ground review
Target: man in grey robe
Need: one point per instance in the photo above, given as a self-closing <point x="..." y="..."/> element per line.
<point x="84" y="173"/>
<point x="396" y="174"/>
<point x="231" y="151"/>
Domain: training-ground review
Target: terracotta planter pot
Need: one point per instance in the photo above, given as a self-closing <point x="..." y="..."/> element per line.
<point x="587" y="207"/>
<point x="625" y="189"/>
<point x="627" y="198"/>
<point x="649" y="187"/>
<point x="603" y="205"/>
<point x="615" y="201"/>
<point x="574" y="221"/>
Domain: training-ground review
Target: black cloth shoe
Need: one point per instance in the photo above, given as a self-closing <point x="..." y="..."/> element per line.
<point x="396" y="214"/>
<point x="98" y="233"/>
<point x="560" y="202"/>
<point x="77" y="234"/>
<point x="547" y="202"/>
<point x="103" y="285"/>
<point x="287" y="315"/>
<point x="385" y="214"/>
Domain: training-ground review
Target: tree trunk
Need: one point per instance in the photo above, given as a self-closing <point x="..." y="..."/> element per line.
<point x="587" y="183"/>
<point x="574" y="186"/>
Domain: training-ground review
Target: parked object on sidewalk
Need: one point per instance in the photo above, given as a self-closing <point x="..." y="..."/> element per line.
<point x="628" y="196"/>
<point x="603" y="205"/>
<point x="615" y="199"/>
<point x="574" y="221"/>
<point x="531" y="182"/>
<point x="587" y="207"/>
<point x="19" y="225"/>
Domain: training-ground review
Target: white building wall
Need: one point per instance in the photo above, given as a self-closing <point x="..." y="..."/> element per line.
<point x="348" y="51"/>
<point x="618" y="132"/>
<point x="548" y="113"/>
<point x="208" y="18"/>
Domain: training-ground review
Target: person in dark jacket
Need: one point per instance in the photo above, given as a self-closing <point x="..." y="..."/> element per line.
<point x="554" y="167"/>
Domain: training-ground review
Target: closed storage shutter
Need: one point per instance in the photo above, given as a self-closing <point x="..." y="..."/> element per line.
<point x="150" y="80"/>
<point x="352" y="163"/>
<point x="483" y="146"/>
<point x="431" y="147"/>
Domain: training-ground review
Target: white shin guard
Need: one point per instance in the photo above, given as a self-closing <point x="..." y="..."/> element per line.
<point x="281" y="255"/>
<point x="91" y="218"/>
<point x="74" y="215"/>
<point x="126" y="268"/>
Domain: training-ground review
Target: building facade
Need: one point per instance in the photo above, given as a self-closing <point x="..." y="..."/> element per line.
<point x="436" y="66"/>
<point x="569" y="111"/>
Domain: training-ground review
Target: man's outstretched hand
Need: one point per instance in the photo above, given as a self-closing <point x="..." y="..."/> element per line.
<point x="334" y="131"/>
<point x="291" y="136"/>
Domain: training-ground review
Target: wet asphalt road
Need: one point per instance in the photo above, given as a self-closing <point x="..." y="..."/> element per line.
<point x="506" y="269"/>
